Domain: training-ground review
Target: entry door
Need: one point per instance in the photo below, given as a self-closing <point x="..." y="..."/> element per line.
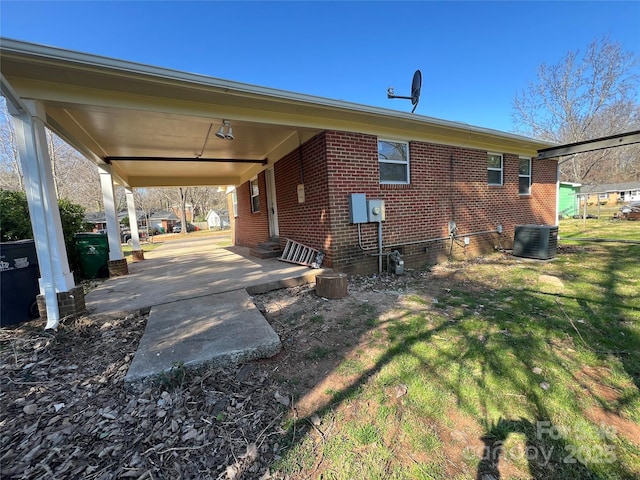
<point x="271" y="203"/>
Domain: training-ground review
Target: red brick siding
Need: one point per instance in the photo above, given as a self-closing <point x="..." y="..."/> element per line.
<point x="251" y="228"/>
<point x="447" y="184"/>
<point x="307" y="222"/>
<point x="352" y="164"/>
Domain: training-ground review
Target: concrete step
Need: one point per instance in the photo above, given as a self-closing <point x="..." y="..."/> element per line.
<point x="268" y="249"/>
<point x="265" y="253"/>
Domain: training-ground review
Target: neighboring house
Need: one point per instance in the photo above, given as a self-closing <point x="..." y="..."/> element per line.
<point x="611" y="193"/>
<point x="569" y="199"/>
<point x="164" y="221"/>
<point x="427" y="188"/>
<point x="188" y="211"/>
<point x="217" y="221"/>
<point x="99" y="222"/>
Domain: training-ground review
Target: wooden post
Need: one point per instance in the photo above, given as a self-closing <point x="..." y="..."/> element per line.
<point x="331" y="285"/>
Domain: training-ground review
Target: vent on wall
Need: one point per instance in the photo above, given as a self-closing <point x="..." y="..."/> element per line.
<point x="535" y="241"/>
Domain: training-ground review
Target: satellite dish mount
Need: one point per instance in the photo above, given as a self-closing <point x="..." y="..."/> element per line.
<point x="416" y="85"/>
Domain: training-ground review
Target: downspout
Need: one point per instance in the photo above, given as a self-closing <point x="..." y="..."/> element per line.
<point x="557" y="222"/>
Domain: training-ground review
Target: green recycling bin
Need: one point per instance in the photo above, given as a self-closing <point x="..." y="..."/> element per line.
<point x="93" y="250"/>
<point x="18" y="282"/>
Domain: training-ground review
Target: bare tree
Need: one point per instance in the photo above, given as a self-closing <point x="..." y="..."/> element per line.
<point x="75" y="177"/>
<point x="580" y="98"/>
<point x="10" y="171"/>
<point x="183" y="210"/>
<point x="205" y="199"/>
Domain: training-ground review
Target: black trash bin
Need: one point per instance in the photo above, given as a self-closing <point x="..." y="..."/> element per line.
<point x="93" y="250"/>
<point x="19" y="286"/>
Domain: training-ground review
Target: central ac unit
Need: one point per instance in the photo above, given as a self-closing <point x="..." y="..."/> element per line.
<point x="535" y="241"/>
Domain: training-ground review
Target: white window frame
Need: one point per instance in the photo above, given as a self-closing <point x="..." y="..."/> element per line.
<point x="407" y="181"/>
<point x="603" y="196"/>
<point x="255" y="193"/>
<point x="494" y="169"/>
<point x="520" y="175"/>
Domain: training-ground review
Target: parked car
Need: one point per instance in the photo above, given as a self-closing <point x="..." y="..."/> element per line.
<point x="125" y="235"/>
<point x="177" y="228"/>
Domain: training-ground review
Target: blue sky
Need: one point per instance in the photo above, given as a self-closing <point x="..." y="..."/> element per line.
<point x="474" y="56"/>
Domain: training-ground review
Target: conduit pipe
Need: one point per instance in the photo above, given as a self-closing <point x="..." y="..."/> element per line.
<point x="381" y="247"/>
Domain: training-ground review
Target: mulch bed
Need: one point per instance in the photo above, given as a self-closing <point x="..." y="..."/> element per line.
<point x="66" y="411"/>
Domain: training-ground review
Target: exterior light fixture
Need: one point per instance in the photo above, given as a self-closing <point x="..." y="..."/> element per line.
<point x="226" y="124"/>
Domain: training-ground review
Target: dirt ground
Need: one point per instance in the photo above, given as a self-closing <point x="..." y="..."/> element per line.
<point x="66" y="411"/>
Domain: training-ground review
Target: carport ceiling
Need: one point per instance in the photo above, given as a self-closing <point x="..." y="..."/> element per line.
<point x="147" y="148"/>
<point x="156" y="127"/>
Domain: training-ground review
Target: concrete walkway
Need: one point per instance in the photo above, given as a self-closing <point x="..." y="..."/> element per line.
<point x="200" y="309"/>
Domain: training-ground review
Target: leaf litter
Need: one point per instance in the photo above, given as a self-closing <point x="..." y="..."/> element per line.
<point x="68" y="413"/>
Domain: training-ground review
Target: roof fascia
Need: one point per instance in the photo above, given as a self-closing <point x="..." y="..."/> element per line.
<point x="363" y="114"/>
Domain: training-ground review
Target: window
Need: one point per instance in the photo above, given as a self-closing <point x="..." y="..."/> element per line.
<point x="255" y="195"/>
<point x="394" y="161"/>
<point x="524" y="177"/>
<point x="603" y="196"/>
<point x="494" y="169"/>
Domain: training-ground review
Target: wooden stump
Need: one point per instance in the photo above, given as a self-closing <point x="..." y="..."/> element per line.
<point x="331" y="285"/>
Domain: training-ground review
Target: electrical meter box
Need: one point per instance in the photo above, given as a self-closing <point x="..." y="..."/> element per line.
<point x="358" y="208"/>
<point x="375" y="210"/>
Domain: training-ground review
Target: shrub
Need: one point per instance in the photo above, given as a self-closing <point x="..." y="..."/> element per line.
<point x="14" y="216"/>
<point x="15" y="223"/>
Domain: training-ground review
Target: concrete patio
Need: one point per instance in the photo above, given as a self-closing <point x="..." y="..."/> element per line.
<point x="198" y="293"/>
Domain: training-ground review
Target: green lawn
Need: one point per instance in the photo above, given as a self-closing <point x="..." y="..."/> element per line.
<point x="146" y="247"/>
<point x="603" y="227"/>
<point x="502" y="367"/>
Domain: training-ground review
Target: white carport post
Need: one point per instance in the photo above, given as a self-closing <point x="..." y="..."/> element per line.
<point x="117" y="262"/>
<point x="133" y="225"/>
<point x="110" y="212"/>
<point x="55" y="275"/>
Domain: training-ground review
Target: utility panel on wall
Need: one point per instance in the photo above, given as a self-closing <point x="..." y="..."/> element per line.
<point x="358" y="208"/>
<point x="375" y="210"/>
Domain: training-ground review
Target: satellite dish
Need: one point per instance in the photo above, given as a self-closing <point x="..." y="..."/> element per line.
<point x="416" y="85"/>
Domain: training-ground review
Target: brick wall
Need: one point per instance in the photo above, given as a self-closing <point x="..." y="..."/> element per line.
<point x="252" y="228"/>
<point x="447" y="184"/>
<point x="308" y="222"/>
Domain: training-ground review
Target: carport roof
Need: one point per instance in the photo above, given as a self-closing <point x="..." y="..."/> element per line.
<point x="156" y="126"/>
